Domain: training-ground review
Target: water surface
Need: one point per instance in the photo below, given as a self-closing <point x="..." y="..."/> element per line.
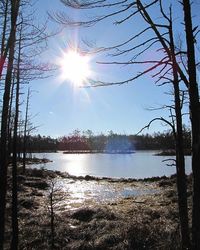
<point x="141" y="164"/>
<point x="89" y="192"/>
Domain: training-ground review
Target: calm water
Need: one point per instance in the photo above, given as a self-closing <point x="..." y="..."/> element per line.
<point x="88" y="192"/>
<point x="141" y="164"/>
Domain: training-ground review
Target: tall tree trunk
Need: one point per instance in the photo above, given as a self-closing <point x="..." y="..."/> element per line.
<point x="195" y="120"/>
<point x="4" y="121"/>
<point x="15" y="230"/>
<point x="180" y="161"/>
<point x="4" y="29"/>
<point x="10" y="121"/>
<point x="4" y="46"/>
<point x="180" y="172"/>
<point x="14" y="242"/>
<point x="25" y="131"/>
<point x="52" y="219"/>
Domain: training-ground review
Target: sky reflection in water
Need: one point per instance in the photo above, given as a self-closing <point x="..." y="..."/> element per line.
<point x="87" y="192"/>
<point x="142" y="164"/>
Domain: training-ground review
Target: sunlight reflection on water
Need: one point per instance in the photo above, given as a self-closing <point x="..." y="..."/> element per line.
<point x="142" y="164"/>
<point x="81" y="192"/>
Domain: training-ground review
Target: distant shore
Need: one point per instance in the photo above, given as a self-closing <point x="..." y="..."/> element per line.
<point x="172" y="152"/>
<point x="167" y="152"/>
<point x="99" y="152"/>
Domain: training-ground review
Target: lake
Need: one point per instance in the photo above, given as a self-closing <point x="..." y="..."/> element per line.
<point x="141" y="164"/>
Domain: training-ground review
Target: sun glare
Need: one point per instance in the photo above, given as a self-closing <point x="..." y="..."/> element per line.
<point x="75" y="67"/>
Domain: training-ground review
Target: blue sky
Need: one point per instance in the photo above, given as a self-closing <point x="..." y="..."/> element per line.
<point x="61" y="108"/>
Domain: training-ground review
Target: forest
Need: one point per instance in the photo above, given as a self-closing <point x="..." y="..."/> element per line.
<point x="89" y="142"/>
<point x="166" y="49"/>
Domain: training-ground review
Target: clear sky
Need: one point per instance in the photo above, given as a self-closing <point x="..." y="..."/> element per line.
<point x="61" y="107"/>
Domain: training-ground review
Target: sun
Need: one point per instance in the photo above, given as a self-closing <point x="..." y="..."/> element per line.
<point x="75" y="67"/>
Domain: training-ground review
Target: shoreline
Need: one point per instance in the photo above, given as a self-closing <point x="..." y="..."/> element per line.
<point x="98" y="152"/>
<point x="120" y="223"/>
<point x="172" y="153"/>
<point x="96" y="178"/>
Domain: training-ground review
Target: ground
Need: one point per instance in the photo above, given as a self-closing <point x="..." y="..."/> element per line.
<point x="148" y="220"/>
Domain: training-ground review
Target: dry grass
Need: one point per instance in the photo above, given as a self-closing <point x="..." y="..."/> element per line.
<point x="142" y="222"/>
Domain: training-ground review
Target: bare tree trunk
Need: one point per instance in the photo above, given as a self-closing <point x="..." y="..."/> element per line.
<point x="25" y="131"/>
<point x="4" y="121"/>
<point x="195" y="120"/>
<point x="14" y="243"/>
<point x="180" y="170"/>
<point x="180" y="161"/>
<point x="4" y="49"/>
<point x="19" y="142"/>
<point x="52" y="219"/>
<point x="15" y="230"/>
<point x="51" y="202"/>
<point x="4" y="29"/>
<point x="10" y="122"/>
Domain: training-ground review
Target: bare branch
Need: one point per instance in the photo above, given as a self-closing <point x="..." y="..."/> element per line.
<point x="158" y="119"/>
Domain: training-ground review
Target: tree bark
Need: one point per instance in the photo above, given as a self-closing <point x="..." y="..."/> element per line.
<point x="4" y="49"/>
<point x="25" y="132"/>
<point x="14" y="242"/>
<point x="180" y="161"/>
<point x="10" y="121"/>
<point x="4" y="121"/>
<point x="195" y="121"/>
<point x="15" y="229"/>
<point x="180" y="173"/>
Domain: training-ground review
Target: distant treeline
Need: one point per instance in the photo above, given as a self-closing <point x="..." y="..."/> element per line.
<point x="87" y="141"/>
